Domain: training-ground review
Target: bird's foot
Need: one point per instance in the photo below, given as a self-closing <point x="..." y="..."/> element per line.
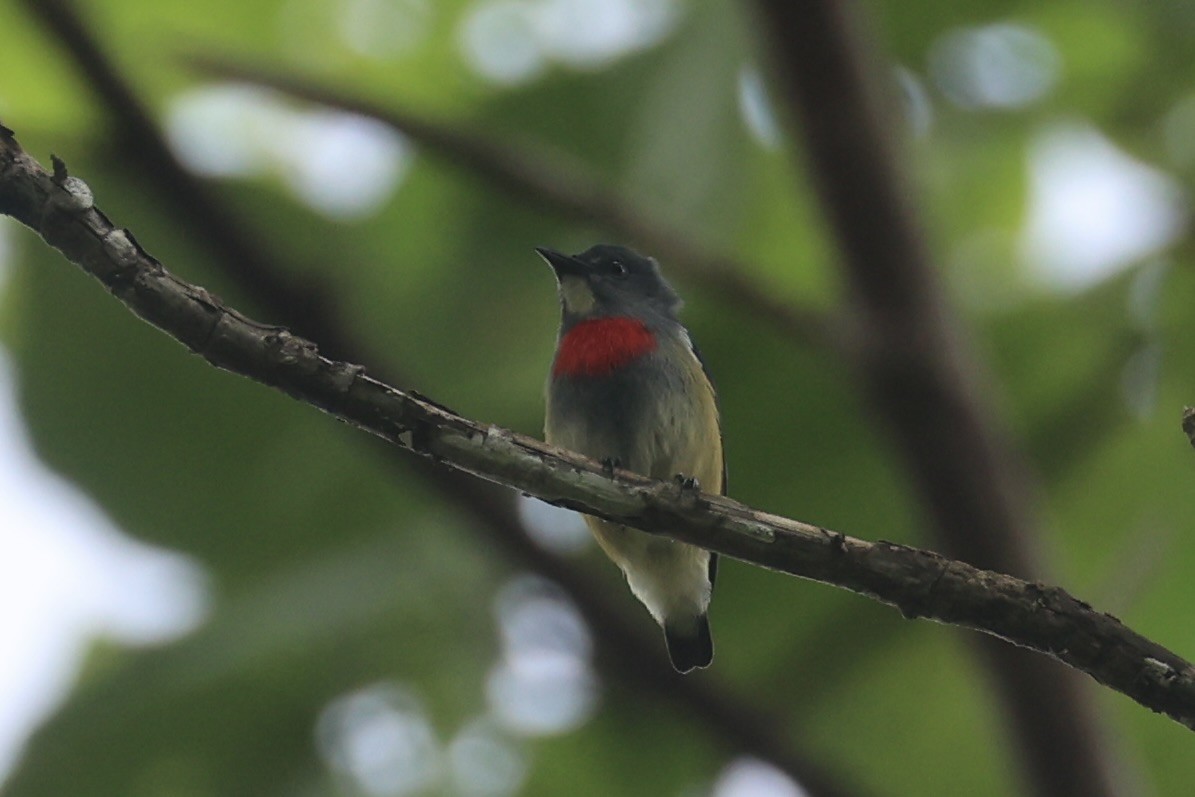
<point x="610" y="464"/>
<point x="687" y="483"/>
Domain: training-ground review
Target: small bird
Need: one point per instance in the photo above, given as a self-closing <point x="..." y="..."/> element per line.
<point x="629" y="388"/>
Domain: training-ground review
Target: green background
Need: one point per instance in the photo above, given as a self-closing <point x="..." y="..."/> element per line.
<point x="331" y="571"/>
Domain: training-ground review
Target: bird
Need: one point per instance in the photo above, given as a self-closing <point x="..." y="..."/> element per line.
<point x="628" y="387"/>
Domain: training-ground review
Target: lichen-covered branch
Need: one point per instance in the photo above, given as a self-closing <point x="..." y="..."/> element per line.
<point x="919" y="583"/>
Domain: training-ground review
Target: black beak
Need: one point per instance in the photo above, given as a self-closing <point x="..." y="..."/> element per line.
<point x="564" y="265"/>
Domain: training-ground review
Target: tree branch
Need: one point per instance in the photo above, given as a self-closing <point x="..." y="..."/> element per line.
<point x="1189" y="423"/>
<point x="625" y="652"/>
<point x="919" y="583"/>
<point x="560" y="185"/>
<point x="915" y="365"/>
<point x="258" y="274"/>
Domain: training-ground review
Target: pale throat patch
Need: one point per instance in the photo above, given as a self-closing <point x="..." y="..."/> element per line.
<point x="577" y="295"/>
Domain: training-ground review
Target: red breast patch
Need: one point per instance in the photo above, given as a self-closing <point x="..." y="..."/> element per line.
<point x="601" y="346"/>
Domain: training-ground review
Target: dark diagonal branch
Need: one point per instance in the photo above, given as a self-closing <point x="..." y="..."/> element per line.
<point x="624" y="652"/>
<point x="239" y="255"/>
<point x="560" y="185"/>
<point x="631" y="657"/>
<point x="919" y="583"/>
<point x="920" y="376"/>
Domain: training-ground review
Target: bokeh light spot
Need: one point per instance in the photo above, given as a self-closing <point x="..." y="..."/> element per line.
<point x="381" y="739"/>
<point x="544" y="683"/>
<point x="749" y="777"/>
<point x="484" y="762"/>
<point x="338" y="164"/>
<point x="1093" y="209"/>
<point x="1002" y="65"/>
<point x="561" y="531"/>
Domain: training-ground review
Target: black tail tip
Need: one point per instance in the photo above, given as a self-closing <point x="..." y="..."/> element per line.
<point x="690" y="645"/>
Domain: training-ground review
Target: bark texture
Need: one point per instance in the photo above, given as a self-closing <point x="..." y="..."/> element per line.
<point x="921" y="584"/>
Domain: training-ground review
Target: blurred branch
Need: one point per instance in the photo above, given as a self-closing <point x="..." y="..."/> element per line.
<point x="560" y="185"/>
<point x="624" y="652"/>
<point x="1189" y="423"/>
<point x="919" y="583"/>
<point x="922" y="379"/>
<point x="238" y="254"/>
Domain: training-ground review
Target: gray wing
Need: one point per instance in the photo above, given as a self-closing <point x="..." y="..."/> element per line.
<point x="713" y="569"/>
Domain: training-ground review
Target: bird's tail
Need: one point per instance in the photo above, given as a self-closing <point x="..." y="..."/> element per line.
<point x="689" y="643"/>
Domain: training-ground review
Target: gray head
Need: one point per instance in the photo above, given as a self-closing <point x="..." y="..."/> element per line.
<point x="608" y="280"/>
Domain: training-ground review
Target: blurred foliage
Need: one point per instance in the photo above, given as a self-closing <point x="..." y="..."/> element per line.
<point x="331" y="572"/>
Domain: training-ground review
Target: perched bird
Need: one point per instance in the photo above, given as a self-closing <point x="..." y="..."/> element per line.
<point x="628" y="387"/>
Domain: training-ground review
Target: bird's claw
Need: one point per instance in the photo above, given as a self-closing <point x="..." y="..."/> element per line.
<point x="610" y="464"/>
<point x="687" y="483"/>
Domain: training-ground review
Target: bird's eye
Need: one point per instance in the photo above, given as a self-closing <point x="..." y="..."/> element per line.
<point x="618" y="268"/>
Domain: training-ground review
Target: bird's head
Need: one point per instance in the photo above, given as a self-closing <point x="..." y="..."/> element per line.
<point x="612" y="281"/>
